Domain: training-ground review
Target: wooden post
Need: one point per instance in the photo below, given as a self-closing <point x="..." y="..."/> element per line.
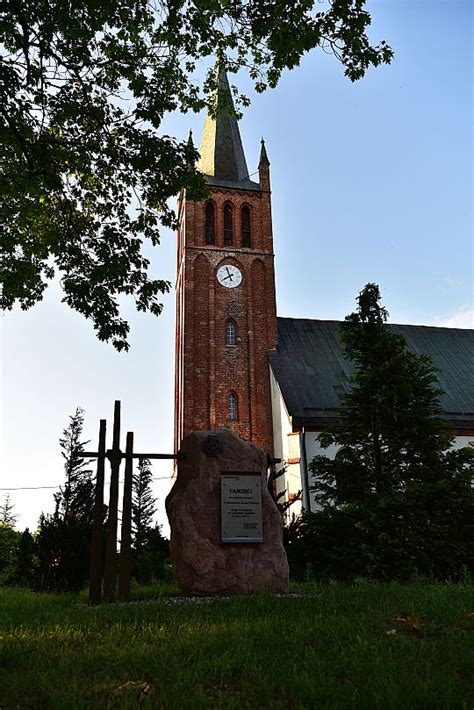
<point x="96" y="545"/>
<point x="110" y="567"/>
<point x="126" y="537"/>
<point x="115" y="456"/>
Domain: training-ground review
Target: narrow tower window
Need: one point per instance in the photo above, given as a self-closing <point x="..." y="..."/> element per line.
<point x="210" y="222"/>
<point x="232" y="407"/>
<point x="230" y="332"/>
<point x="228" y="231"/>
<point x="246" y="237"/>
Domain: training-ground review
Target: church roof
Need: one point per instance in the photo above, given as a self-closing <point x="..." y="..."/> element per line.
<point x="222" y="157"/>
<point x="312" y="373"/>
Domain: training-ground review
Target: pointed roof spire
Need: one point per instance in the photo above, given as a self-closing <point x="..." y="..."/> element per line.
<point x="190" y="149"/>
<point x="222" y="154"/>
<point x="263" y="154"/>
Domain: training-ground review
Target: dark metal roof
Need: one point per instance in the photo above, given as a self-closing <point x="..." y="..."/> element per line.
<point x="222" y="157"/>
<point x="312" y="373"/>
<point x="240" y="185"/>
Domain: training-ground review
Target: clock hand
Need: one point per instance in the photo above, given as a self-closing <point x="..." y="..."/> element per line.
<point x="229" y="276"/>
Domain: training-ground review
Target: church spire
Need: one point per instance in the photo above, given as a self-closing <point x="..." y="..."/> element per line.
<point x="264" y="168"/>
<point x="190" y="149"/>
<point x="222" y="154"/>
<point x="263" y="154"/>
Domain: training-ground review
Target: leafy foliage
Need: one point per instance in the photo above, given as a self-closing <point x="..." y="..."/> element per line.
<point x="26" y="564"/>
<point x="63" y="548"/>
<point x="395" y="500"/>
<point x="323" y="546"/>
<point x="273" y="475"/>
<point x="9" y="541"/>
<point x="18" y="562"/>
<point x="86" y="174"/>
<point x="152" y="560"/>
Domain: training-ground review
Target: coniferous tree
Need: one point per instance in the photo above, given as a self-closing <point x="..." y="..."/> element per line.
<point x="150" y="548"/>
<point x="7" y="517"/>
<point x="143" y="503"/>
<point x="395" y="500"/>
<point x="76" y="499"/>
<point x="9" y="541"/>
<point x="64" y="538"/>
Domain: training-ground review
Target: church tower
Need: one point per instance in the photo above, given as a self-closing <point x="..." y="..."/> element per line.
<point x="225" y="300"/>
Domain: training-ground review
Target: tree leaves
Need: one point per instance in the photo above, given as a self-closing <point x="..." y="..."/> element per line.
<point x="86" y="177"/>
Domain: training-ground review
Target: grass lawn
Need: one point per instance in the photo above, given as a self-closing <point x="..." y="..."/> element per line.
<point x="366" y="646"/>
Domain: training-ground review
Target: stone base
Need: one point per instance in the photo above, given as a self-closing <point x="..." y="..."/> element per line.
<point x="201" y="563"/>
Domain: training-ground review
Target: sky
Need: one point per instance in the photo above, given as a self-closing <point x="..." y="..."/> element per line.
<point x="371" y="181"/>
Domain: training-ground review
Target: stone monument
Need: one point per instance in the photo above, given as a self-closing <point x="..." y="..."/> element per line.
<point x="226" y="531"/>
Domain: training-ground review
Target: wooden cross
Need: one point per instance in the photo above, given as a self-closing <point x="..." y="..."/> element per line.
<point x="115" y="456"/>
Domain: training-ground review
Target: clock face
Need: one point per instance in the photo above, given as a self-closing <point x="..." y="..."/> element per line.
<point x="229" y="276"/>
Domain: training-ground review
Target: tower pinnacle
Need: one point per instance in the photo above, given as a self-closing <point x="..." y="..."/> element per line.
<point x="264" y="168"/>
<point x="222" y="155"/>
<point x="263" y="154"/>
<point x="190" y="149"/>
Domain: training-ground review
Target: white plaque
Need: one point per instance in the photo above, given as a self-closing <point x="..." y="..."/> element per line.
<point x="241" y="506"/>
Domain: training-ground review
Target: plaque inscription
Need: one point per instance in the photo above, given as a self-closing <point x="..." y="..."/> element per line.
<point x="241" y="507"/>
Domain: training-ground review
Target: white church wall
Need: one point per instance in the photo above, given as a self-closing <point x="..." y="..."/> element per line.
<point x="286" y="446"/>
<point x="314" y="448"/>
<point x="293" y="480"/>
<point x="461" y="441"/>
<point x="280" y="420"/>
<point x="281" y="427"/>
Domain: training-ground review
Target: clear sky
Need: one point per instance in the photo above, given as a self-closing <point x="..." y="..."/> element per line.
<point x="371" y="182"/>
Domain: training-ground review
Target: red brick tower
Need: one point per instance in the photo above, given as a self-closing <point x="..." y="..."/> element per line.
<point x="225" y="301"/>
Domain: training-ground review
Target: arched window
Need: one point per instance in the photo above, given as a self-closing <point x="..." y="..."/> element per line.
<point x="230" y="332"/>
<point x="246" y="236"/>
<point x="232" y="407"/>
<point x="228" y="227"/>
<point x="210" y="223"/>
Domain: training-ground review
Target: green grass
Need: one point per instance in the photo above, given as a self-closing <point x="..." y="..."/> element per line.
<point x="328" y="649"/>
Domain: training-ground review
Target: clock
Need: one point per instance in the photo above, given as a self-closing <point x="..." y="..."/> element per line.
<point x="229" y="276"/>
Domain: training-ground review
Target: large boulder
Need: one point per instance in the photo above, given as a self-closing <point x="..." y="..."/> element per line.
<point x="202" y="563"/>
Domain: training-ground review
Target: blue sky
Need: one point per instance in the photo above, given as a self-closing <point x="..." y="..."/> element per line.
<point x="371" y="182"/>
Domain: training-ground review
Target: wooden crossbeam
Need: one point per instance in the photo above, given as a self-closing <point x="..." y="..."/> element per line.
<point x="113" y="453"/>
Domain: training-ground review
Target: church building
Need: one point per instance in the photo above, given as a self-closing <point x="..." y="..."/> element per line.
<point x="274" y="381"/>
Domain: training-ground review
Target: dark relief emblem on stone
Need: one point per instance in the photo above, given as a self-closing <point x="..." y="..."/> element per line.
<point x="211" y="446"/>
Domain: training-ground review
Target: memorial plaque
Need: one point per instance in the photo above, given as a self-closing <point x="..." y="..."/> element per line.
<point x="241" y="507"/>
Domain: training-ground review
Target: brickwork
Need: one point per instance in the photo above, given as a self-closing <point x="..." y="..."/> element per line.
<point x="207" y="369"/>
